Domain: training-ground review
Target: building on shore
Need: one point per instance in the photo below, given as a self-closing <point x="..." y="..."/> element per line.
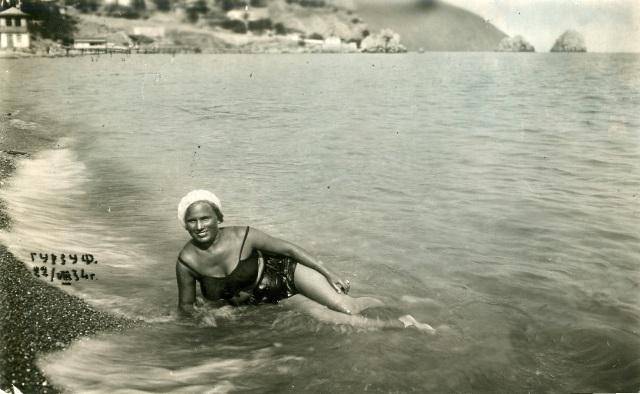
<point x="121" y="3"/>
<point x="114" y="42"/>
<point x="14" y="31"/>
<point x="90" y="43"/>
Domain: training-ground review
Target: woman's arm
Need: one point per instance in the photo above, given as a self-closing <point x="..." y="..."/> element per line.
<point x="186" y="290"/>
<point x="267" y="243"/>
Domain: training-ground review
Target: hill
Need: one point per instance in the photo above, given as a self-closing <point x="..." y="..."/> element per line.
<point x="269" y="26"/>
<point x="430" y="25"/>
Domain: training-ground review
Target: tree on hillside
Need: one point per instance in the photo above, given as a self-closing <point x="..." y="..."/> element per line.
<point x="49" y="22"/>
<point x="135" y="10"/>
<point x="86" y="6"/>
<point x="163" y="5"/>
<point x="196" y="8"/>
<point x="228" y="5"/>
<point x="138" y="5"/>
<point x="5" y="4"/>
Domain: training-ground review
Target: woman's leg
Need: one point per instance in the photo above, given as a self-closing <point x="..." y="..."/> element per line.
<point x="314" y="285"/>
<point x="326" y="315"/>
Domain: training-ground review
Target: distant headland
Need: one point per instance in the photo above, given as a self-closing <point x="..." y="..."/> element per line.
<point x="428" y="25"/>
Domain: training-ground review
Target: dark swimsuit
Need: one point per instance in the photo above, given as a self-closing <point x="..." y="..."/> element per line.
<point x="275" y="284"/>
<point x="277" y="279"/>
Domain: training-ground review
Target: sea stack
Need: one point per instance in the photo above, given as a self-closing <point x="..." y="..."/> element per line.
<point x="570" y="41"/>
<point x="515" y="44"/>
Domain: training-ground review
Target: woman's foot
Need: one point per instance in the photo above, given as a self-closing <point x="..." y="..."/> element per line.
<point x="410" y="321"/>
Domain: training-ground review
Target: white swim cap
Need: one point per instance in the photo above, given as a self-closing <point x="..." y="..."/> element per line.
<point x="195" y="196"/>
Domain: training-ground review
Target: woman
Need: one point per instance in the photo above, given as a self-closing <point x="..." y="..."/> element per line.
<point x="243" y="265"/>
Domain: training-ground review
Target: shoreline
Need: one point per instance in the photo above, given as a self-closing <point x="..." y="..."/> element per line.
<point x="12" y="55"/>
<point x="35" y="317"/>
<point x="178" y="50"/>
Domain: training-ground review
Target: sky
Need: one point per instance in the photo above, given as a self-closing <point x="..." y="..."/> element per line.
<point x="607" y="25"/>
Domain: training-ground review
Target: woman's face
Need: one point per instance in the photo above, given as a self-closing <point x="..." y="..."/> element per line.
<point x="201" y="222"/>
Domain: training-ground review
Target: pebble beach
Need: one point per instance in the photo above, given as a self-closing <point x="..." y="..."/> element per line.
<point x="35" y="318"/>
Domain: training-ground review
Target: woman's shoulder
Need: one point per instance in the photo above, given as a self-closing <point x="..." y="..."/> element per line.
<point x="188" y="253"/>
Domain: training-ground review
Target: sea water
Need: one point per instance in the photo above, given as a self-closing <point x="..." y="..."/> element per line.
<point x="494" y="196"/>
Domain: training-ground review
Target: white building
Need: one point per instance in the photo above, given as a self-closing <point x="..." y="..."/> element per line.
<point x="332" y="44"/>
<point x="122" y="3"/>
<point x="149" y="31"/>
<point x="248" y="14"/>
<point x="13" y="29"/>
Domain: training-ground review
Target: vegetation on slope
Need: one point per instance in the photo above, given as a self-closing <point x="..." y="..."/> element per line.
<point x="422" y="24"/>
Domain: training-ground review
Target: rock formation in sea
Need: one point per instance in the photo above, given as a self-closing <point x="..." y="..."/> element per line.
<point x="570" y="41"/>
<point x="515" y="44"/>
<point x="387" y="41"/>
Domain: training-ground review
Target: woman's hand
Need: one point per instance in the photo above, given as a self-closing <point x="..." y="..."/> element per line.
<point x="242" y="297"/>
<point x="341" y="286"/>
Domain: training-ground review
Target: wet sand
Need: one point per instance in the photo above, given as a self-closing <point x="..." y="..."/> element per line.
<point x="34" y="316"/>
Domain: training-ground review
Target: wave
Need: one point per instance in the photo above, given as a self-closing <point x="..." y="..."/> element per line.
<point x="156" y="361"/>
<point x="55" y="229"/>
<point x="23" y="125"/>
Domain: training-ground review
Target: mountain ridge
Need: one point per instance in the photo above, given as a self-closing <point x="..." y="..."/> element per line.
<point x="430" y="25"/>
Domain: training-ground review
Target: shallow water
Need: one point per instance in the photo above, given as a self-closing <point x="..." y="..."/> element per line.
<point x="495" y="196"/>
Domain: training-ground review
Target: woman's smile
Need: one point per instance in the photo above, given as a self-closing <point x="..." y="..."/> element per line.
<point x="202" y="233"/>
<point x="201" y="222"/>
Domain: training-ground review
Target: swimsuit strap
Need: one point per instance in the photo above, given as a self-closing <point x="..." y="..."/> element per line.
<point x="242" y="246"/>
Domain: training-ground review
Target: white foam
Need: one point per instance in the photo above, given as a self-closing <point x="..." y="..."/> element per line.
<point x="23" y="125"/>
<point x="116" y="368"/>
<point x="51" y="214"/>
<point x="409" y="299"/>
